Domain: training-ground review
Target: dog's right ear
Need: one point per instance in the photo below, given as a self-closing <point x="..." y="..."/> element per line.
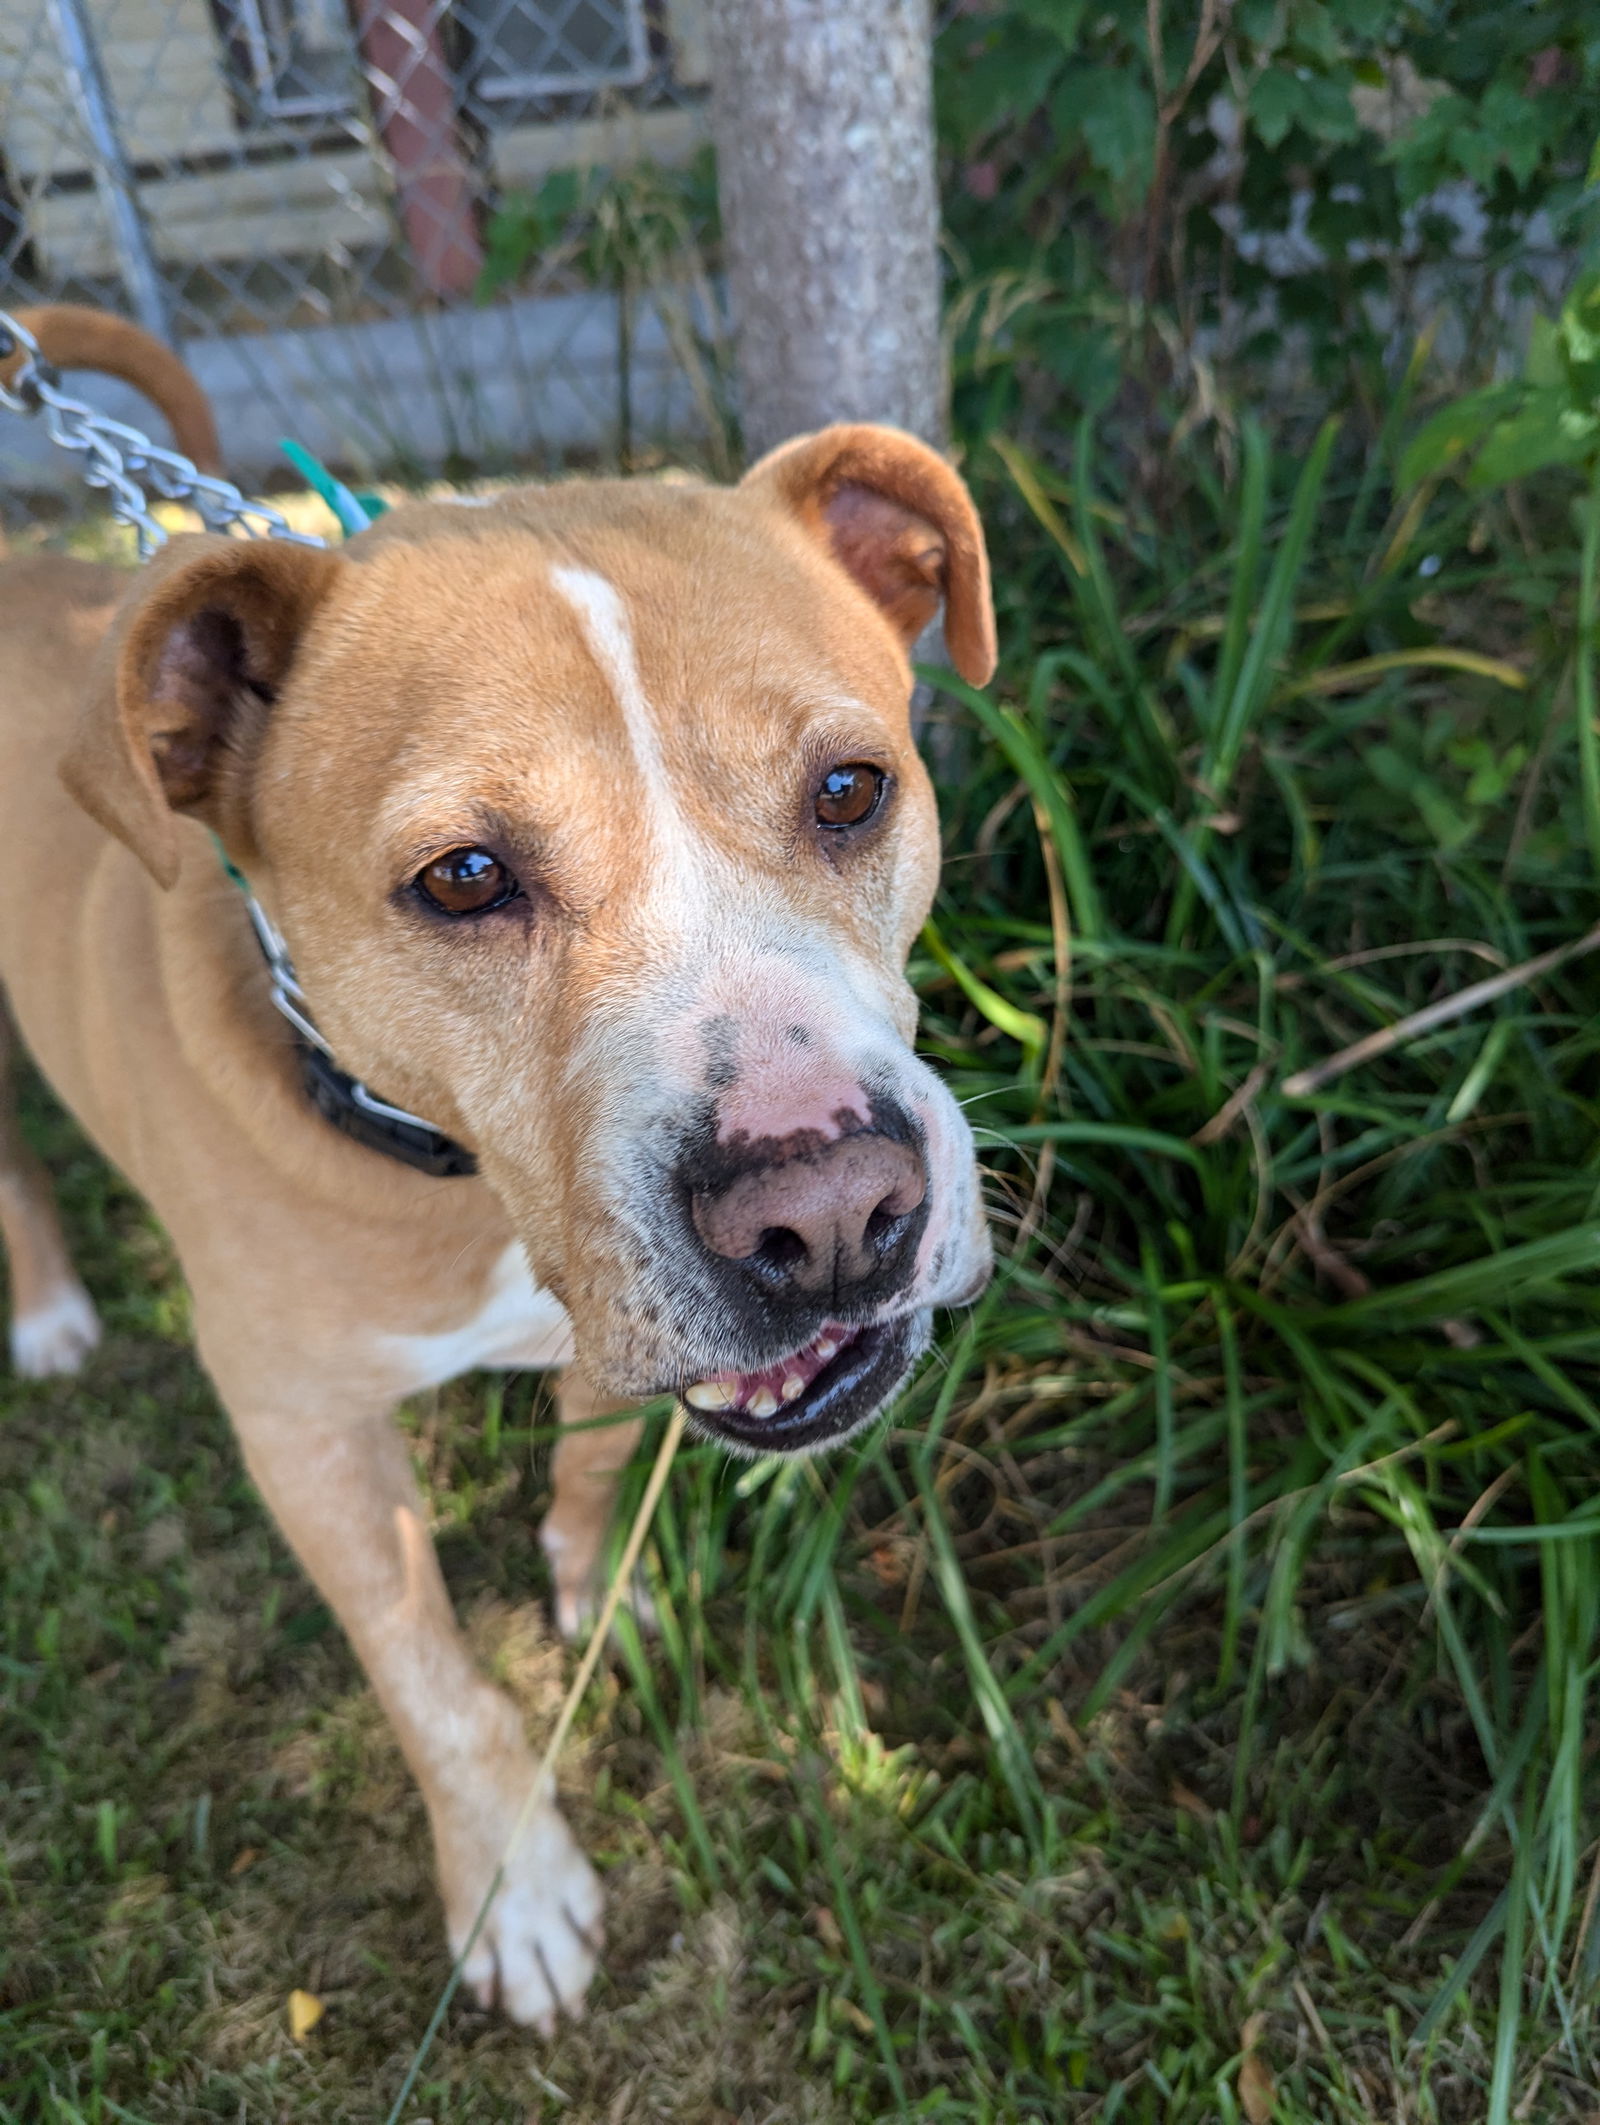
<point x="185" y="681"/>
<point x="900" y="522"/>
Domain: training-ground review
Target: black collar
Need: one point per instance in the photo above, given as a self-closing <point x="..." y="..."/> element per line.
<point x="337" y="1096"/>
<point x="343" y="1100"/>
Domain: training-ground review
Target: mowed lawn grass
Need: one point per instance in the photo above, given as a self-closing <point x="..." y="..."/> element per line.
<point x="1182" y="1709"/>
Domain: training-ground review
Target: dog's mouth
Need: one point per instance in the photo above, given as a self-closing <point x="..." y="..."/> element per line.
<point x="816" y="1396"/>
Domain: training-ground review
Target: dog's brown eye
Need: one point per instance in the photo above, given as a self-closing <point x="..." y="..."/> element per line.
<point x="466" y="882"/>
<point x="849" y="794"/>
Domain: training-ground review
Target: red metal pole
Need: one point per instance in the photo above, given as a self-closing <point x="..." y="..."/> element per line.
<point x="414" y="108"/>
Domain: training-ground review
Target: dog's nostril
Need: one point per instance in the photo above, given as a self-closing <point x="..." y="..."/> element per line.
<point x="826" y="1219"/>
<point x="779" y="1248"/>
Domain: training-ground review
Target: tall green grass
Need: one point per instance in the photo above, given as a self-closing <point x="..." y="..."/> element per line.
<point x="1271" y="768"/>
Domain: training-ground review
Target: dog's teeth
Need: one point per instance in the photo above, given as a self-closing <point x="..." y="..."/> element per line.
<point x="709" y="1394"/>
<point x="825" y="1348"/>
<point x="763" y="1402"/>
<point x="793" y="1387"/>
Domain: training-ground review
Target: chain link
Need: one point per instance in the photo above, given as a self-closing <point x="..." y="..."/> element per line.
<point x="116" y="459"/>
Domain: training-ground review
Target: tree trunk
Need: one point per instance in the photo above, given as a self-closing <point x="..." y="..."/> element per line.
<point x="823" y="120"/>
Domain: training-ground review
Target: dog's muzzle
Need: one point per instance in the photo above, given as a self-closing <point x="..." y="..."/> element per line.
<point x="806" y="1249"/>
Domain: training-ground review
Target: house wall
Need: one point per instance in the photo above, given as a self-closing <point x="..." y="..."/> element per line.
<point x="164" y="68"/>
<point x="289" y="304"/>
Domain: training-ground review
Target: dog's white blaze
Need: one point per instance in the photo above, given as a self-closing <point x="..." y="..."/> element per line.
<point x="516" y="1324"/>
<point x="605" y="628"/>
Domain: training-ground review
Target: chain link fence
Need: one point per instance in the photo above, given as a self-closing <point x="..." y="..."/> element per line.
<point x="417" y="235"/>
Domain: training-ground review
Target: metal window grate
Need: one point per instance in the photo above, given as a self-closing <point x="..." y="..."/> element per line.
<point x="287" y="59"/>
<point x="523" y="51"/>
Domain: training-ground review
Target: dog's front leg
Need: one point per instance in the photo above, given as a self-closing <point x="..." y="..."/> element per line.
<point x="342" y="1491"/>
<point x="596" y="1444"/>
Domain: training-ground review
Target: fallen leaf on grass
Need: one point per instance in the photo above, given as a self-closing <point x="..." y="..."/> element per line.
<point x="305" y="2011"/>
<point x="1258" y="2092"/>
<point x="858" y="2020"/>
<point x="1062" y="1728"/>
<point x="890" y="1562"/>
<point x="245" y="1860"/>
<point x="1186" y="1798"/>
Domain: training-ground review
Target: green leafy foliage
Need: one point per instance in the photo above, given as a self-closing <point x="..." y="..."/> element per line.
<point x="1551" y="417"/>
<point x="1550" y="420"/>
<point x="647" y="233"/>
<point x="1152" y="177"/>
<point x="604" y="225"/>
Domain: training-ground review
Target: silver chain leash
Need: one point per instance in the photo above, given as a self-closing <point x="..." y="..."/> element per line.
<point x="117" y="459"/>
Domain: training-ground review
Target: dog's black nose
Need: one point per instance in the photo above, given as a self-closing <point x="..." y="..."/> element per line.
<point x="827" y="1223"/>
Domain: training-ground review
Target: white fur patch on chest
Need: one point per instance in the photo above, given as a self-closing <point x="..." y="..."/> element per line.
<point x="516" y="1325"/>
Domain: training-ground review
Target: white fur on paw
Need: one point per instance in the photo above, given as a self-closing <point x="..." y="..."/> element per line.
<point x="578" y="1607"/>
<point x="579" y="1595"/>
<point x="538" y="1948"/>
<point x="55" y="1338"/>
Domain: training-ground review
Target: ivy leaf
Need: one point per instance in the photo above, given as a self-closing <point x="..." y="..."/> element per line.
<point x="1275" y="103"/>
<point x="1435" y="147"/>
<point x="1365" y="20"/>
<point x="1326" y="110"/>
<point x="1057" y="18"/>
<point x="1001" y="87"/>
<point x="1261" y="23"/>
<point x="1545" y="431"/>
<point x="1453" y="432"/>
<point x="1312" y="34"/>
<point x="1517" y="125"/>
<point x="1115" y="116"/>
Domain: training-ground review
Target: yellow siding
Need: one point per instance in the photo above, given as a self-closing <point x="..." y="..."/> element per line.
<point x="163" y="69"/>
<point x="690" y="36"/>
<point x="524" y="154"/>
<point x="275" y="210"/>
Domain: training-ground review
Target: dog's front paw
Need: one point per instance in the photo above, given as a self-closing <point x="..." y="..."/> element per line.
<point x="578" y="1584"/>
<point x="55" y="1338"/>
<point x="578" y="1604"/>
<point x="537" y="1949"/>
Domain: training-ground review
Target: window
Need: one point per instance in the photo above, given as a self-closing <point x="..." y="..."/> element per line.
<point x="295" y="61"/>
<point x="521" y="50"/>
<point x="288" y="59"/>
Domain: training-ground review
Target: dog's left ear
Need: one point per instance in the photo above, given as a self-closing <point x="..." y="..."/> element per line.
<point x="184" y="683"/>
<point x="900" y="523"/>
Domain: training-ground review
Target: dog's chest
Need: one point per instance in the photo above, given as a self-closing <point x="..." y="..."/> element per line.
<point x="516" y="1324"/>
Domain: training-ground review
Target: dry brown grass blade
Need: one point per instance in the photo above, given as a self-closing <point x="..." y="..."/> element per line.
<point x="1436" y="1014"/>
<point x="621" y="1579"/>
<point x="1213" y="1131"/>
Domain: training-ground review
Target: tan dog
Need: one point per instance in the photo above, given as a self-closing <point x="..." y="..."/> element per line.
<point x="594" y="823"/>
